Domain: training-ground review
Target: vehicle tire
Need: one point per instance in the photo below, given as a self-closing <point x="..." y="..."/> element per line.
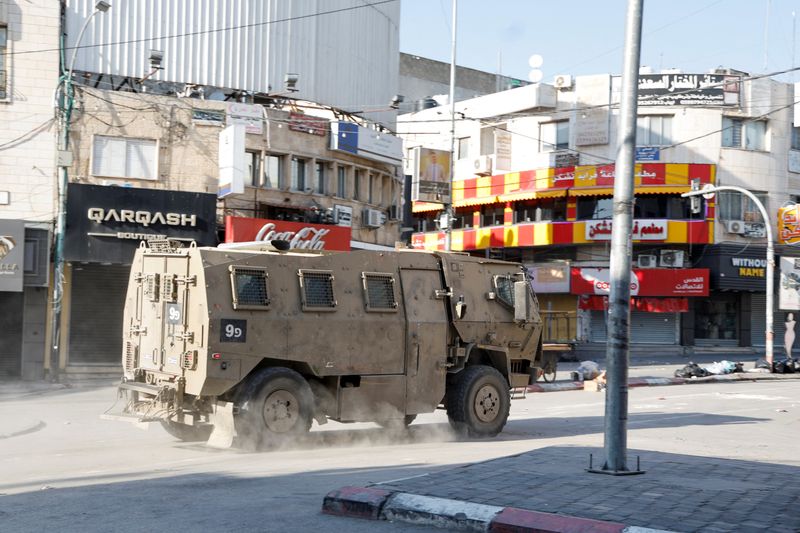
<point x="187" y="433"/>
<point x="478" y="401"/>
<point x="397" y="423"/>
<point x="276" y="407"/>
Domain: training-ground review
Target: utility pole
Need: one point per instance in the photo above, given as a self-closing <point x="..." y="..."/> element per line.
<point x="66" y="103"/>
<point x="619" y="310"/>
<point x="448" y="206"/>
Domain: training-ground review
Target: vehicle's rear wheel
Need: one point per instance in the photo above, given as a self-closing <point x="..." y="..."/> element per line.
<point x="478" y="401"/>
<point x="187" y="433"/>
<point x="275" y="408"/>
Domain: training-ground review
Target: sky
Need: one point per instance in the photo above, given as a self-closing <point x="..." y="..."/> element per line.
<point x="586" y="36"/>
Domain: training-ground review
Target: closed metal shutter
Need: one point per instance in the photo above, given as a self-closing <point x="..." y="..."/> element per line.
<point x="11" y="304"/>
<point x="758" y="321"/>
<point x="98" y="299"/>
<point x="646" y="328"/>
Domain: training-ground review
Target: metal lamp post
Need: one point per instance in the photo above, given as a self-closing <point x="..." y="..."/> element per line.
<point x="710" y="190"/>
<point x="65" y="104"/>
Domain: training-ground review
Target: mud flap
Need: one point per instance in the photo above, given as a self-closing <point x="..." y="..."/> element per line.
<point x="222" y="419"/>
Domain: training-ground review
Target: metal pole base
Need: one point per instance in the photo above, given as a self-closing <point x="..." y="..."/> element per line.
<point x="607" y="471"/>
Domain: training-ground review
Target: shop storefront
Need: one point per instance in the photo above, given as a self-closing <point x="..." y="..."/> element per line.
<point x="105" y="225"/>
<point x="659" y="296"/>
<point x="12" y="300"/>
<point x="733" y="314"/>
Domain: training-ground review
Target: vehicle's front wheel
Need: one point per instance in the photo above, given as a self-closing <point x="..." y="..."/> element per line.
<point x="275" y="408"/>
<point x="478" y="401"/>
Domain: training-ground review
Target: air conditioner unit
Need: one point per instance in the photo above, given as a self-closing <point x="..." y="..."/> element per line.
<point x="372" y="218"/>
<point x="672" y="258"/>
<point x="483" y="165"/>
<point x="647" y="261"/>
<point x="735" y="226"/>
<point x="562" y="81"/>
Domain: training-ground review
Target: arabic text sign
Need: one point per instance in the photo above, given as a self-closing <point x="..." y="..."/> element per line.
<point x="643" y="230"/>
<point x="789" y="224"/>
<point x="688" y="89"/>
<point x="644" y="282"/>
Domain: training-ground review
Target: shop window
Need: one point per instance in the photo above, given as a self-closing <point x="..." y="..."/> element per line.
<point x="298" y="174"/>
<point x="654" y="131"/>
<point x="121" y="157"/>
<point x="661" y="206"/>
<point x="341" y="182"/>
<point x="736" y="206"/>
<point x="253" y="168"/>
<point x="492" y="216"/>
<point x="273" y="171"/>
<point x="554" y="136"/>
<point x="545" y="210"/>
<point x="746" y="134"/>
<point x="716" y="319"/>
<point x="4" y="77"/>
<point x="594" y="208"/>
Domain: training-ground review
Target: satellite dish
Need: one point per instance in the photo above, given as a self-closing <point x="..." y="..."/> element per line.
<point x="535" y="61"/>
<point x="535" y="75"/>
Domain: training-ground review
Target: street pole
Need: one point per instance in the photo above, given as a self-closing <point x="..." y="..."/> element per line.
<point x="448" y="206"/>
<point x="619" y="301"/>
<point x="770" y="333"/>
<point x="66" y="103"/>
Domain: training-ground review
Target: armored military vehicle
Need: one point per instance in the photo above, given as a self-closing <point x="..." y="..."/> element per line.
<point x="257" y="343"/>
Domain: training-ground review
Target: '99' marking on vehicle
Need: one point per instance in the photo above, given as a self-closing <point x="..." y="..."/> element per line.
<point x="233" y="330"/>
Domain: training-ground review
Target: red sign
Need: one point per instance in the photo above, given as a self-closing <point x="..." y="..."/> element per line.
<point x="301" y="235"/>
<point x="644" y="282"/>
<point x="308" y="124"/>
<point x="647" y="304"/>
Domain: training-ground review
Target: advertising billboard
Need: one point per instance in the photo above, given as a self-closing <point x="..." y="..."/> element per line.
<point x="431" y="182"/>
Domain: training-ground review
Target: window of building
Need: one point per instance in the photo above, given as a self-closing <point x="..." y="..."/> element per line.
<point x="341" y="182"/>
<point x="554" y="136"/>
<point x="736" y="206"/>
<point x="662" y="206"/>
<point x="493" y="216"/>
<point x="371" y="188"/>
<point x="252" y="174"/>
<point x="746" y="134"/>
<point x="298" y="174"/>
<point x="357" y="184"/>
<point x="463" y="148"/>
<point x="594" y="208"/>
<point x="795" y="138"/>
<point x="487" y="141"/>
<point x="544" y="210"/>
<point x="3" y="66"/>
<point x="273" y="171"/>
<point x="120" y="157"/>
<point x="654" y="131"/>
<point x="320" y="182"/>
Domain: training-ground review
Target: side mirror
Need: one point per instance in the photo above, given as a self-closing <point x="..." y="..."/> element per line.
<point x="522" y="301"/>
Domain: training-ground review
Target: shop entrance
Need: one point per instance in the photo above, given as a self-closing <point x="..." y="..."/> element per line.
<point x="717" y="321"/>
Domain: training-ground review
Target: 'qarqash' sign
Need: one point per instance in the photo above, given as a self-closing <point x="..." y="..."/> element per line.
<point x="12" y="256"/>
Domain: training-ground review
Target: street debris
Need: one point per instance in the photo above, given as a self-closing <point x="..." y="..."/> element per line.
<point x="717" y="368"/>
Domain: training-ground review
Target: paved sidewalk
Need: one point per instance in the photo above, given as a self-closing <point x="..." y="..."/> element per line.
<point x="549" y="489"/>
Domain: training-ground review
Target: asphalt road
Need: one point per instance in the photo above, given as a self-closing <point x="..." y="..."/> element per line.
<point x="71" y="471"/>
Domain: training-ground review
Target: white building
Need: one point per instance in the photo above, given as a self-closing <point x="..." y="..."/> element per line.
<point x="533" y="182"/>
<point x="28" y="75"/>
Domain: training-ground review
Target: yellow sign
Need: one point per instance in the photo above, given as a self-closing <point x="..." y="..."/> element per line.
<point x="789" y="224"/>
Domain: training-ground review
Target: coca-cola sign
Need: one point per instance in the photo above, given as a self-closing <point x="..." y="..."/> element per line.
<point x="301" y="235"/>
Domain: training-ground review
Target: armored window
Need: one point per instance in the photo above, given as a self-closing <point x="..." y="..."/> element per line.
<point x="250" y="290"/>
<point x="169" y="288"/>
<point x="316" y="290"/>
<point x="504" y="290"/>
<point x="379" y="292"/>
<point x="151" y="286"/>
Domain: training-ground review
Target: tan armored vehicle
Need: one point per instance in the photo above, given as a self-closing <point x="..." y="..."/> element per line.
<point x="258" y="343"/>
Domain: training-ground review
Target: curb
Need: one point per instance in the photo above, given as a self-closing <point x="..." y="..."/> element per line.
<point x="378" y="504"/>
<point x="660" y="382"/>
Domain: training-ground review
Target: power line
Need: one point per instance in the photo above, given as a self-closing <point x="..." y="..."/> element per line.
<point x="209" y="31"/>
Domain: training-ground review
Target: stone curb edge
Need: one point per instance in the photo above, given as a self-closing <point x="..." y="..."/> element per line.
<point x="658" y="382"/>
<point x="378" y="504"/>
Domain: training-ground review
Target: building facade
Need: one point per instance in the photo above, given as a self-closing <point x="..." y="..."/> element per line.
<point x="533" y="182"/>
<point x="28" y="74"/>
